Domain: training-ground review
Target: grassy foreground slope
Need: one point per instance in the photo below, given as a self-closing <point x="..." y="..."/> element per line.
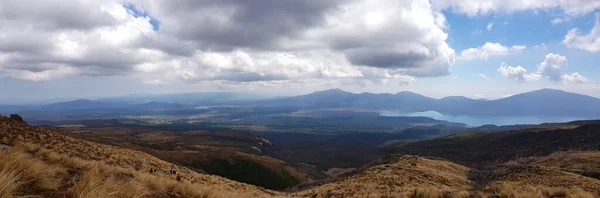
<point x="223" y="153"/>
<point x="41" y="162"/>
<point x="413" y="176"/>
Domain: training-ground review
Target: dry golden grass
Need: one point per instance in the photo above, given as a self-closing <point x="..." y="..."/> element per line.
<point x="29" y="174"/>
<point x="397" y="176"/>
<point x="9" y="182"/>
<point x="45" y="163"/>
<point x="509" y="189"/>
<point x="48" y="164"/>
<point x="93" y="183"/>
<point x="568" y="160"/>
<point x="548" y="177"/>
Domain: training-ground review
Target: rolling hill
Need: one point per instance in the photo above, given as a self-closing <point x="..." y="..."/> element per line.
<point x="484" y="148"/>
<point x="414" y="176"/>
<point x="230" y="154"/>
<point x="40" y="162"/>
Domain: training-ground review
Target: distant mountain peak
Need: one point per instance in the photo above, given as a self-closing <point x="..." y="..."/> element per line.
<point x="80" y="100"/>
<point x="548" y="90"/>
<point x="409" y="93"/>
<point x="456" y="98"/>
<point x="332" y="91"/>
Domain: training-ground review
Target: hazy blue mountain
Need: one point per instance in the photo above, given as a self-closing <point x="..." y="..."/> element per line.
<point x="201" y="98"/>
<point x="90" y="104"/>
<point x="545" y="102"/>
<point x="8" y="109"/>
<point x="82" y="104"/>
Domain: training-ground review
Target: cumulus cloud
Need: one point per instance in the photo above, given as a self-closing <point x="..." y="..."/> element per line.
<point x="45" y="47"/>
<point x="489" y="26"/>
<point x="238" y="42"/>
<point x="517" y="73"/>
<point x="489" y="49"/>
<point x="552" y="68"/>
<point x="573" y="78"/>
<point x="382" y="34"/>
<point x="484" y="7"/>
<point x="589" y="42"/>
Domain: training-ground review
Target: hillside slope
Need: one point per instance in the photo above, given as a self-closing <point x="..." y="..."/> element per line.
<point x="395" y="176"/>
<point x="230" y="154"/>
<point x="39" y="162"/>
<point x="78" y="167"/>
<point x="414" y="176"/>
<point x="482" y="148"/>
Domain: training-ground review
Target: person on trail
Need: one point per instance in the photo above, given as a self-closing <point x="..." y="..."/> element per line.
<point x="151" y="170"/>
<point x="178" y="178"/>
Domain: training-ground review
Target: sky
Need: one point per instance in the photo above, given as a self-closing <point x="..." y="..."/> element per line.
<point x="54" y="49"/>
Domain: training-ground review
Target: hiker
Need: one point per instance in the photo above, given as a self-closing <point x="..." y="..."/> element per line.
<point x="151" y="170"/>
<point x="178" y="178"/>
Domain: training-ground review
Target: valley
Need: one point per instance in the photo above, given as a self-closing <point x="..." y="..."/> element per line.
<point x="336" y="149"/>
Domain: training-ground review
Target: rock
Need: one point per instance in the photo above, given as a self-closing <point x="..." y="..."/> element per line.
<point x="125" y="176"/>
<point x="5" y="147"/>
<point x="16" y="117"/>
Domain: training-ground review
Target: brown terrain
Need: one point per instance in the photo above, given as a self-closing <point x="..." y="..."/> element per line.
<point x="41" y="162"/>
<point x="227" y="154"/>
<point x="44" y="163"/>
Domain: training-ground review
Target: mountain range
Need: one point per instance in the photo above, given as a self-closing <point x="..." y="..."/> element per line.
<point x="544" y="102"/>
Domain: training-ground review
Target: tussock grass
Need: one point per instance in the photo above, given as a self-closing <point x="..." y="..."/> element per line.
<point x="44" y="163"/>
<point x="9" y="182"/>
<point x="507" y="189"/>
<point x="27" y="173"/>
<point x="93" y="184"/>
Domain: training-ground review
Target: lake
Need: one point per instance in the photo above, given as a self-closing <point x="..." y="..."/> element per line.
<point x="483" y="120"/>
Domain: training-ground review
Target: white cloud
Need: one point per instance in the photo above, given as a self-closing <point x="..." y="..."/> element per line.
<point x="154" y="82"/>
<point x="517" y="73"/>
<point x="552" y="68"/>
<point x="382" y="34"/>
<point x="230" y="42"/>
<point x="489" y="26"/>
<point x="589" y="42"/>
<point x="573" y="78"/>
<point x="557" y="21"/>
<point x="489" y="49"/>
<point x="478" y="96"/>
<point x="541" y="46"/>
<point x="484" y="7"/>
<point x="57" y="71"/>
<point x="482" y="76"/>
